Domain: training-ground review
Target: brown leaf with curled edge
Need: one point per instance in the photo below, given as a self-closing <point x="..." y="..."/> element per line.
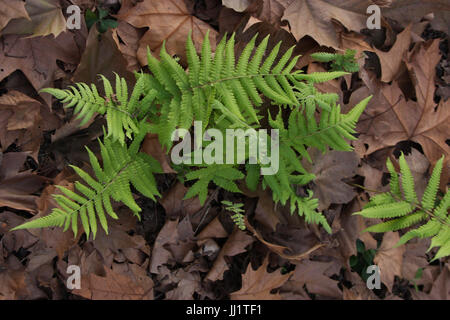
<point x="330" y="169"/>
<point x="114" y="286"/>
<point x="440" y="289"/>
<point x="170" y="22"/>
<point x="406" y="11"/>
<point x="127" y="39"/>
<point x="45" y="18"/>
<point x="35" y="58"/>
<point x="389" y="118"/>
<point x="258" y="284"/>
<point x="236" y="243"/>
<point x="391" y="61"/>
<point x="11" y="9"/>
<point x="314" y="18"/>
<point x="237" y="5"/>
<point x="389" y="259"/>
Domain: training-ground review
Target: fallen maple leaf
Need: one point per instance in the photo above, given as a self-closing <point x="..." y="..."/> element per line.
<point x="258" y="284"/>
<point x="390" y="118"/>
<point x="391" y="61"/>
<point x="35" y="60"/>
<point x="169" y="22"/>
<point x="114" y="286"/>
<point x="45" y="18"/>
<point x="314" y="18"/>
<point x="11" y="9"/>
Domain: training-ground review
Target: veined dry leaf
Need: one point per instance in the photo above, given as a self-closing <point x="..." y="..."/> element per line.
<point x="113" y="286"/>
<point x="389" y="259"/>
<point x="36" y="58"/>
<point x="389" y="118"/>
<point x="45" y="18"/>
<point x="169" y="22"/>
<point x="11" y="9"/>
<point x="391" y="61"/>
<point x="258" y="284"/>
<point x="314" y="18"/>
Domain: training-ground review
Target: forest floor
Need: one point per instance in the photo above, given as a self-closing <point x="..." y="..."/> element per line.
<point x="181" y="249"/>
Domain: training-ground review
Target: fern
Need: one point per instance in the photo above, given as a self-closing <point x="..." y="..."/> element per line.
<point x="402" y="203"/>
<point x="237" y="217"/>
<point x="223" y="92"/>
<point x="122" y="166"/>
<point x="346" y="61"/>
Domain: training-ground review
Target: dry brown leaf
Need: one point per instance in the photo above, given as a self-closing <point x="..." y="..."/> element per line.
<point x="16" y="188"/>
<point x="258" y="284"/>
<point x="11" y="9"/>
<point x="392" y="60"/>
<point x="237" y="5"/>
<point x="20" y="122"/>
<point x="313" y="274"/>
<point x="175" y="206"/>
<point x="235" y="244"/>
<point x="330" y="168"/>
<point x="45" y="18"/>
<point x="406" y="11"/>
<point x="389" y="259"/>
<point x="114" y="286"/>
<point x="389" y="118"/>
<point x="102" y="56"/>
<point x="169" y="22"/>
<point x="152" y="147"/>
<point x="269" y="11"/>
<point x="35" y="60"/>
<point x="314" y="18"/>
<point x="128" y="43"/>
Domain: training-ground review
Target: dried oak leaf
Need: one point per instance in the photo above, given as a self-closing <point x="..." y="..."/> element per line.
<point x="45" y="18"/>
<point x="390" y="118"/>
<point x="11" y="9"/>
<point x="258" y="284"/>
<point x="169" y="22"/>
<point x="114" y="286"/>
<point x="314" y="18"/>
<point x="389" y="259"/>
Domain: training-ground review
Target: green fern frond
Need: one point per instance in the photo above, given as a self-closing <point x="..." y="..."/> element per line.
<point x="122" y="167"/>
<point x="406" y="206"/>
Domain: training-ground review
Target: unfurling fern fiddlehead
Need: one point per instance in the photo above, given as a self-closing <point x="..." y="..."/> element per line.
<point x="222" y="92"/>
<point x="402" y="207"/>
